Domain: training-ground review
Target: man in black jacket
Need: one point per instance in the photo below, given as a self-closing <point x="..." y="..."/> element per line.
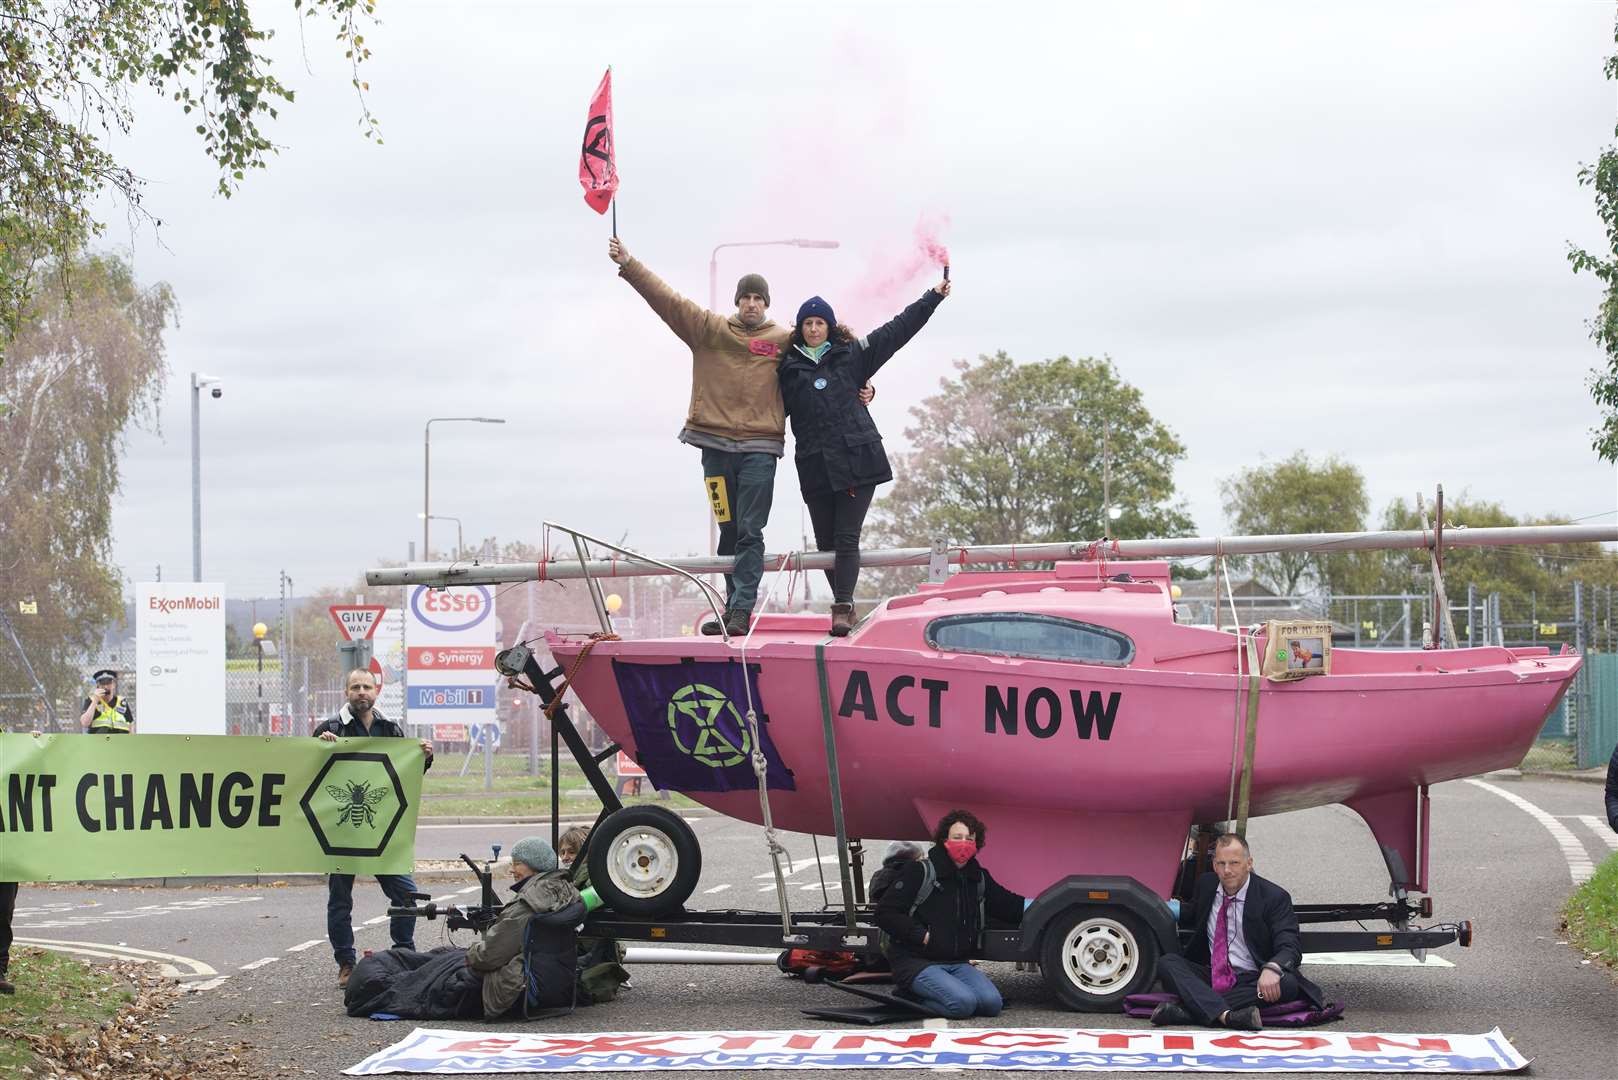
<point x="1612" y="790"/>
<point x="359" y="719"/>
<point x="1244" y="948"/>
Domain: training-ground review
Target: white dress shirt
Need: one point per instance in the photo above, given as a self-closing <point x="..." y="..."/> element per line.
<point x="1241" y="959"/>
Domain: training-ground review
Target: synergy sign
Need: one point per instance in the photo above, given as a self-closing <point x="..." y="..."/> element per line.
<point x="450" y="636"/>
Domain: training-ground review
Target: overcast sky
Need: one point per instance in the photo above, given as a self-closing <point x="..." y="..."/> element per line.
<point x="1340" y="228"/>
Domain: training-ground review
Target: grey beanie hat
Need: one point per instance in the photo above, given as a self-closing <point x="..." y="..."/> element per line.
<point x="753" y="283"/>
<point x="534" y="853"/>
<point x="903" y="849"/>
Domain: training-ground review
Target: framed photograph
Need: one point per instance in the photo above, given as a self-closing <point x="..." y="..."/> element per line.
<point x="1296" y="650"/>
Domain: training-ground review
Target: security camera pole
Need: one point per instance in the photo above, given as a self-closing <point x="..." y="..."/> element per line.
<point x="198" y="381"/>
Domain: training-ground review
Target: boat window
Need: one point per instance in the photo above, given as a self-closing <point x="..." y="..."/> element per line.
<point x="1042" y="637"/>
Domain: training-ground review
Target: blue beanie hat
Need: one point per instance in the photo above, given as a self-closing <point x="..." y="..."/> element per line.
<point x="534" y="853"/>
<point x="816" y="307"/>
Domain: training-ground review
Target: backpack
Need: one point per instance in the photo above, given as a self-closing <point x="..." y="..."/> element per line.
<point x="813" y="965"/>
<point x="550" y="960"/>
<point x="929" y="882"/>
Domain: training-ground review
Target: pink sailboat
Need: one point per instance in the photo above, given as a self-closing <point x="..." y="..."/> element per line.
<point x="1065" y="706"/>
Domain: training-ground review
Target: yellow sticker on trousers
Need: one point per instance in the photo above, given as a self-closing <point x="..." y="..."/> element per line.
<point x="719" y="497"/>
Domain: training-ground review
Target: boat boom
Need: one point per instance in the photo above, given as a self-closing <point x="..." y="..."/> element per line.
<point x="481" y="573"/>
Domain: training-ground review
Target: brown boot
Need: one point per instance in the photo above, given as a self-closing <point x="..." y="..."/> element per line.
<point x="5" y="987"/>
<point x="343" y="972"/>
<point x="842" y="619"/>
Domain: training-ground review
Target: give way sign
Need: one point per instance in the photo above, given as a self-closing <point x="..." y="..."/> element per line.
<point x="357" y="621"/>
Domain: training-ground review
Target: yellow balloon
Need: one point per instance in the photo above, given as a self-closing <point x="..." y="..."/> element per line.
<point x="614" y="602"/>
<point x="1174" y="592"/>
<point x="259" y="630"/>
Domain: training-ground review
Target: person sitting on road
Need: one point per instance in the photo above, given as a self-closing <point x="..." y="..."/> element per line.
<point x="1243" y="950"/>
<point x="900" y="854"/>
<point x="933" y="932"/>
<point x="568" y="846"/>
<point x="542" y="888"/>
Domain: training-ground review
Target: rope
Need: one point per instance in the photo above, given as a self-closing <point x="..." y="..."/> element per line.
<point x="1236" y="721"/>
<point x="567" y="681"/>
<point x="1252" y="736"/>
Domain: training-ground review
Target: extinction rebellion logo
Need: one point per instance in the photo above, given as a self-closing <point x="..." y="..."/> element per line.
<point x="354" y="804"/>
<point x="694" y="714"/>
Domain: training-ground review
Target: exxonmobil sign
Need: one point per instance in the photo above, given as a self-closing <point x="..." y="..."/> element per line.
<point x="452" y="610"/>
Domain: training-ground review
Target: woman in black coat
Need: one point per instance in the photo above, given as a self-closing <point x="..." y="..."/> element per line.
<point x="838" y="448"/>
<point x="930" y="942"/>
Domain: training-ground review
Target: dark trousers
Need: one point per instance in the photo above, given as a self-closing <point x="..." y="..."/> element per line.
<point x="837" y="519"/>
<point x="1193" y="985"/>
<point x="340" y="906"/>
<point x="8" y="905"/>
<point x="740" y="490"/>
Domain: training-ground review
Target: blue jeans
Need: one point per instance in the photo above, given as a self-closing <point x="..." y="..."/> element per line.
<point x="740" y="490"/>
<point x="340" y="905"/>
<point x="957" y="991"/>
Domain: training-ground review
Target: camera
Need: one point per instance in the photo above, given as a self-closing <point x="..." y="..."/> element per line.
<point x="217" y="392"/>
<point x="477" y="919"/>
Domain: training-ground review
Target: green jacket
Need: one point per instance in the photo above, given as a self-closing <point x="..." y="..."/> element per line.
<point x="497" y="956"/>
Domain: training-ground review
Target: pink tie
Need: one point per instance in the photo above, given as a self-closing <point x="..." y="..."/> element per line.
<point x="1224" y="977"/>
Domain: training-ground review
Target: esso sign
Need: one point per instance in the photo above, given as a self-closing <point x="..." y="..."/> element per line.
<point x="452" y="609"/>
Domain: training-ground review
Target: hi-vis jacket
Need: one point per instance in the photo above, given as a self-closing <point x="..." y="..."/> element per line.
<point x="111" y="718"/>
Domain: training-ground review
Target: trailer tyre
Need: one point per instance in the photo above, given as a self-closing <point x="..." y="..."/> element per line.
<point x="1094" y="957"/>
<point x="644" y="861"/>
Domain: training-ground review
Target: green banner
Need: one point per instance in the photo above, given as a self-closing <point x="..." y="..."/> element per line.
<point x="91" y="807"/>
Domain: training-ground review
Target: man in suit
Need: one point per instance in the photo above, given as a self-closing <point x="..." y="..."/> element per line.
<point x="1244" y="948"/>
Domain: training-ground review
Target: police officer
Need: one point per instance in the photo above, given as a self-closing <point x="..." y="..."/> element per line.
<point x="359" y="719"/>
<point x="105" y="712"/>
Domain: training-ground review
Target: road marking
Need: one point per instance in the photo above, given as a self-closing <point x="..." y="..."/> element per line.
<point x="256" y="964"/>
<point x="211" y="984"/>
<point x="1579" y="865"/>
<point x="174" y="967"/>
<point x="1602" y="830"/>
<point x="813" y="885"/>
<point x="797" y="865"/>
<point x="468" y="889"/>
<point x="1376" y="959"/>
<point x="178" y="907"/>
<point x="716" y="888"/>
<point x="378" y="919"/>
<point x="307" y="945"/>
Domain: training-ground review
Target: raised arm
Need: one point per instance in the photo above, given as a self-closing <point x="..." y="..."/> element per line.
<point x="880" y="344"/>
<point x="689" y="321"/>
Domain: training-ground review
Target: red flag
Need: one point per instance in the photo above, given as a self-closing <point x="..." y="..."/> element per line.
<point x="598" y="171"/>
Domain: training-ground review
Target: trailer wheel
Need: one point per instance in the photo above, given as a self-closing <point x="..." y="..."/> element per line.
<point x="644" y="861"/>
<point x="1094" y="957"/>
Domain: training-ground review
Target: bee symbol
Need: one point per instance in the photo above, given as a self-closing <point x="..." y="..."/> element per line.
<point x="358" y="802"/>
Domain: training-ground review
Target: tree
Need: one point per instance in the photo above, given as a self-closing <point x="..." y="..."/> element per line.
<point x="1602" y="178"/>
<point x="78" y="375"/>
<point x="1012" y="452"/>
<point x="66" y="69"/>
<point x="1296" y="495"/>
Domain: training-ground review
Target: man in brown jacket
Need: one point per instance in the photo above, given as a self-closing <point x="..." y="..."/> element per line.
<point x="735" y="417"/>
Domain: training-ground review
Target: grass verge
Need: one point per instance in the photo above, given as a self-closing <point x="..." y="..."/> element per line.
<point x="58" y="998"/>
<point x="1591" y="915"/>
<point x="1552" y="755"/>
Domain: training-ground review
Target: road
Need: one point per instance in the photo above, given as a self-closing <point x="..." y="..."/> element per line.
<point x="1506" y="854"/>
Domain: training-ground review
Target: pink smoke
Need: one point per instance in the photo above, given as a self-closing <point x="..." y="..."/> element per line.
<point x="894" y="278"/>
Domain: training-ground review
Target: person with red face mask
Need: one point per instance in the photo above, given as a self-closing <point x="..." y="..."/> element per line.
<point x="933" y="917"/>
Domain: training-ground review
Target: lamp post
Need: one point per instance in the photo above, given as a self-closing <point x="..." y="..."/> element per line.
<point x="259" y="630"/>
<point x="198" y="382"/>
<point x="460" y="544"/>
<point x="713" y="305"/>
<point x="427" y="468"/>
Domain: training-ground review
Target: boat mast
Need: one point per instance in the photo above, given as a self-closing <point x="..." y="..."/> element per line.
<point x="629" y="564"/>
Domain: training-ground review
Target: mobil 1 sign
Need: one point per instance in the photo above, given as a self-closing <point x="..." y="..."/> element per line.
<point x="449" y="655"/>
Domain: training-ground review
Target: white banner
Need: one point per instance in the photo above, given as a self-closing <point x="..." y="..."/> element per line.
<point x="1030" y="1049"/>
<point x="449" y="655"/>
<point x="180" y="658"/>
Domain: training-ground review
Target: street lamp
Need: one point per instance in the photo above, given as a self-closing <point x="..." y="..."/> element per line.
<point x="460" y="544"/>
<point x="713" y="305"/>
<point x="713" y="260"/>
<point x="259" y="630"/>
<point x="427" y="468"/>
<point x="198" y="382"/>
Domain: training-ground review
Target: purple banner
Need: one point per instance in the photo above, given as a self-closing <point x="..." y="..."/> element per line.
<point x="690" y="726"/>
